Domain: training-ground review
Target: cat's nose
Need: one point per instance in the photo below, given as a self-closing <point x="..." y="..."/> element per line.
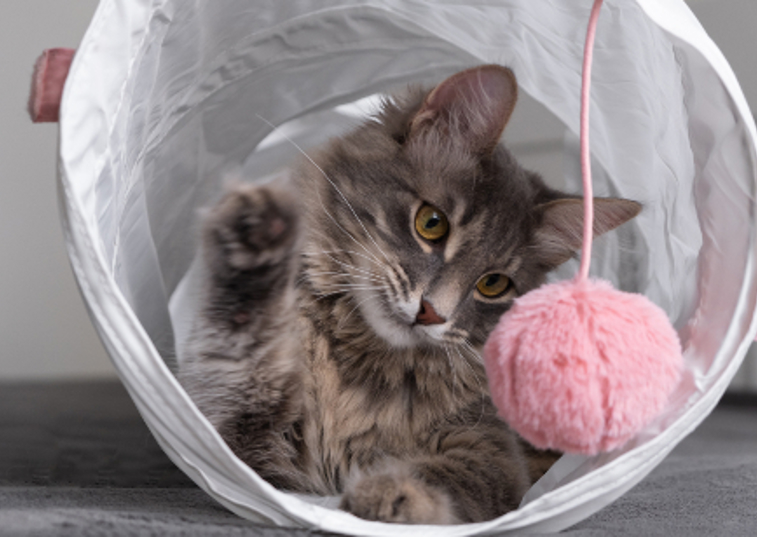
<point x="427" y="314"/>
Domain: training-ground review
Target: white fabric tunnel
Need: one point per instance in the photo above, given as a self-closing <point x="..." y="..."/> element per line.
<point x="165" y="97"/>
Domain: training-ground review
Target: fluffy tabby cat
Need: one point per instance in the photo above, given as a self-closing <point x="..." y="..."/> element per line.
<point x="336" y="350"/>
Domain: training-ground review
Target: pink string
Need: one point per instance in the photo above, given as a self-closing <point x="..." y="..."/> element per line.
<point x="583" y="273"/>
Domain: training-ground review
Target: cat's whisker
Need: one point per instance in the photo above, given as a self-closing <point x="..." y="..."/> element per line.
<point x="352" y="267"/>
<point x="348" y="286"/>
<point x="346" y="274"/>
<point x="455" y="337"/>
<point x="361" y="271"/>
<point x="321" y="296"/>
<point x="338" y="225"/>
<point x="362" y="274"/>
<point x="344" y="319"/>
<point x="363" y="246"/>
<point x="340" y="291"/>
<point x="343" y="292"/>
<point x="452" y="368"/>
<point x="453" y="341"/>
<point x="457" y="332"/>
<point x="469" y="346"/>
<point x="480" y="388"/>
<point x="380" y="264"/>
<point x="344" y="198"/>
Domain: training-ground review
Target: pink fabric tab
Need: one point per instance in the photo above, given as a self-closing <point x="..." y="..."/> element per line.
<point x="50" y="72"/>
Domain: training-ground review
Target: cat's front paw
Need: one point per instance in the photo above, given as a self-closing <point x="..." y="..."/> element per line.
<point x="252" y="226"/>
<point x="397" y="497"/>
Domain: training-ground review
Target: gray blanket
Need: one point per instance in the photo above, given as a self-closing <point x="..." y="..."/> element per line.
<point x="76" y="459"/>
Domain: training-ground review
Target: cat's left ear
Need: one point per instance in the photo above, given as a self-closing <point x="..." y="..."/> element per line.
<point x="472" y="107"/>
<point x="560" y="233"/>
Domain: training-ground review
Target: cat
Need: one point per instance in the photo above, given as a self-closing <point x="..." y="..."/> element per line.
<point x="336" y="348"/>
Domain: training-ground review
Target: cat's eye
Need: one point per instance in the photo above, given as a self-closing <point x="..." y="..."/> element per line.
<point x="493" y="285"/>
<point x="431" y="223"/>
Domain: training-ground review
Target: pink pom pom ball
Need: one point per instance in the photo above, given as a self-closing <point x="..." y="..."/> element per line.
<point x="581" y="367"/>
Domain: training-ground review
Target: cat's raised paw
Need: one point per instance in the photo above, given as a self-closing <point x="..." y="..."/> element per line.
<point x="398" y="498"/>
<point x="252" y="226"/>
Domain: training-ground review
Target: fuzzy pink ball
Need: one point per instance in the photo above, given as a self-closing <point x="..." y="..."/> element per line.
<point x="581" y="367"/>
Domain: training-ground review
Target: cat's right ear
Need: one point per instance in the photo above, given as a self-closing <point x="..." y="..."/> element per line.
<point x="560" y="232"/>
<point x="472" y="107"/>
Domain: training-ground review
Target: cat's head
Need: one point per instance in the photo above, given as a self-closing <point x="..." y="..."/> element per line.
<point x="429" y="224"/>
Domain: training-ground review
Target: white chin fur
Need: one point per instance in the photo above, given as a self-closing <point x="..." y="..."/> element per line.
<point x="394" y="332"/>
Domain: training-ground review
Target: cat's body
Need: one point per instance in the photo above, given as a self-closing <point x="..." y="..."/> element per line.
<point x="336" y="348"/>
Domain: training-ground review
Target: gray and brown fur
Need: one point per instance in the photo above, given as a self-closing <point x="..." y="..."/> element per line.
<point x="309" y="354"/>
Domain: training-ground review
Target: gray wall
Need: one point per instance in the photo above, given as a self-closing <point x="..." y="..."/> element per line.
<point x="732" y="24"/>
<point x="44" y="330"/>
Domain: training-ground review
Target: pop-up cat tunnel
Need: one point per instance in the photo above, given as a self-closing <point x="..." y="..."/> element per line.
<point x="165" y="97"/>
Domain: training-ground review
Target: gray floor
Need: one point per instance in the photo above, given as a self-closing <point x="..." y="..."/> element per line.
<point x="76" y="459"/>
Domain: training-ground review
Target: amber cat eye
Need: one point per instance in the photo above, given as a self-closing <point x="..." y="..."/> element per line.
<point x="493" y="285"/>
<point x="431" y="223"/>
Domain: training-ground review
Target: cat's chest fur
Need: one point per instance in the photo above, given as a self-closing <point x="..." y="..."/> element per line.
<point x="366" y="401"/>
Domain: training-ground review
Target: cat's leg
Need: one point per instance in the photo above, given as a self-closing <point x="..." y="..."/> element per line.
<point x="471" y="473"/>
<point x="241" y="363"/>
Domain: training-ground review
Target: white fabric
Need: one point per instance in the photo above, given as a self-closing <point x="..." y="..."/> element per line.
<point x="164" y="96"/>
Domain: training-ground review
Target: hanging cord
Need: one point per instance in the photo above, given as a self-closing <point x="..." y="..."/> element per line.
<point x="583" y="273"/>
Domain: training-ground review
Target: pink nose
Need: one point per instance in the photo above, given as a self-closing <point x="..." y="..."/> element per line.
<point x="427" y="314"/>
